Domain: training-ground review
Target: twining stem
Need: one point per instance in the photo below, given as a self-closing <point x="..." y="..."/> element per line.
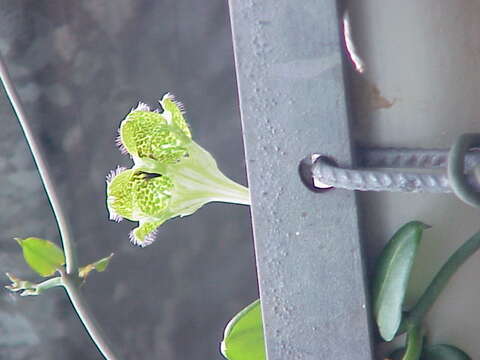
<point x="414" y="343"/>
<point x="43" y="170"/>
<point x="458" y="258"/>
<point x="48" y="284"/>
<point x="87" y="319"/>
<point x="70" y="279"/>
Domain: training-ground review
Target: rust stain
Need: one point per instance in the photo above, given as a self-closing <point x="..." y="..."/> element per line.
<point x="367" y="96"/>
<point x="377" y="100"/>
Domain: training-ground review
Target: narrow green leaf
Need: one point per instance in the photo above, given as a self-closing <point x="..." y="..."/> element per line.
<point x="391" y="277"/>
<point x="99" y="266"/>
<point x="243" y="338"/>
<point x="43" y="256"/>
<point x="443" y="352"/>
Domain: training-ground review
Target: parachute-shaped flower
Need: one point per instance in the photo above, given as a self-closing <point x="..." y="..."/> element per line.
<point x="172" y="176"/>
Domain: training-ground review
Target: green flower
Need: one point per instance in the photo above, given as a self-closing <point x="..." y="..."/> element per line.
<point x="153" y="135"/>
<point x="172" y="175"/>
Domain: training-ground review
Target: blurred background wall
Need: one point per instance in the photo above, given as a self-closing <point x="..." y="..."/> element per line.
<point x="420" y="88"/>
<point x="80" y="66"/>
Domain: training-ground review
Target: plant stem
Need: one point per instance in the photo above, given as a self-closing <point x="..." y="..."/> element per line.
<point x="432" y="292"/>
<point x="414" y="343"/>
<point x="87" y="319"/>
<point x="70" y="279"/>
<point x="43" y="170"/>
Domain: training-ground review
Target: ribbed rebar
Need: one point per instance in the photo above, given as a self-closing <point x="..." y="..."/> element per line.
<point x="412" y="158"/>
<point x="384" y="180"/>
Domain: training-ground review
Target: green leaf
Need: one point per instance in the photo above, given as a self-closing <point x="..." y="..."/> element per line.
<point x="43" y="256"/>
<point x="243" y="338"/>
<point x="443" y="352"/>
<point x="391" y="277"/>
<point x="99" y="266"/>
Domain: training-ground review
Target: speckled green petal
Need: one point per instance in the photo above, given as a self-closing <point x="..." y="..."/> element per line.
<point x="176" y="110"/>
<point x="151" y="194"/>
<point x="137" y="195"/>
<point x="147" y="134"/>
<point x="145" y="233"/>
<point x="119" y="194"/>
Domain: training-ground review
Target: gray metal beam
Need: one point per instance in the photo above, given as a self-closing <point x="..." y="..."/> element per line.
<point x="291" y="85"/>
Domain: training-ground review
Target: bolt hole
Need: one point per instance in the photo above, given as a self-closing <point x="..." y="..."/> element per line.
<point x="306" y="174"/>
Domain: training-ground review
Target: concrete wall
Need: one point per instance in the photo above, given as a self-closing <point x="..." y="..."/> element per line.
<point x="421" y="89"/>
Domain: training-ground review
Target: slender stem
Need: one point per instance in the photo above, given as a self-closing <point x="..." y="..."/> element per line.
<point x="414" y="343"/>
<point x="70" y="279"/>
<point x="88" y="321"/>
<point x="432" y="292"/>
<point x="42" y="166"/>
<point x="48" y="284"/>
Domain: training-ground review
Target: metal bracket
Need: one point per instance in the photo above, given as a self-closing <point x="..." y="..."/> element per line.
<point x="289" y="62"/>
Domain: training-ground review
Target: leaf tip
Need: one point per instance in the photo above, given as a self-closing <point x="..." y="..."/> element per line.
<point x="387" y="337"/>
<point x="425" y="226"/>
<point x="418" y="224"/>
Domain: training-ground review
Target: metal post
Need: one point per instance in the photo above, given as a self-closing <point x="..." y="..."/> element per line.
<point x="291" y="85"/>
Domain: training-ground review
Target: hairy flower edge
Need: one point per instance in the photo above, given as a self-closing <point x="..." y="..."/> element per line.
<point x="172" y="98"/>
<point x="118" y="142"/>
<point x="145" y="234"/>
<point x="109" y="178"/>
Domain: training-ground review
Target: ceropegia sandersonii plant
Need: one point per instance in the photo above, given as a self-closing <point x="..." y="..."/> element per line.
<point x="172" y="175"/>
